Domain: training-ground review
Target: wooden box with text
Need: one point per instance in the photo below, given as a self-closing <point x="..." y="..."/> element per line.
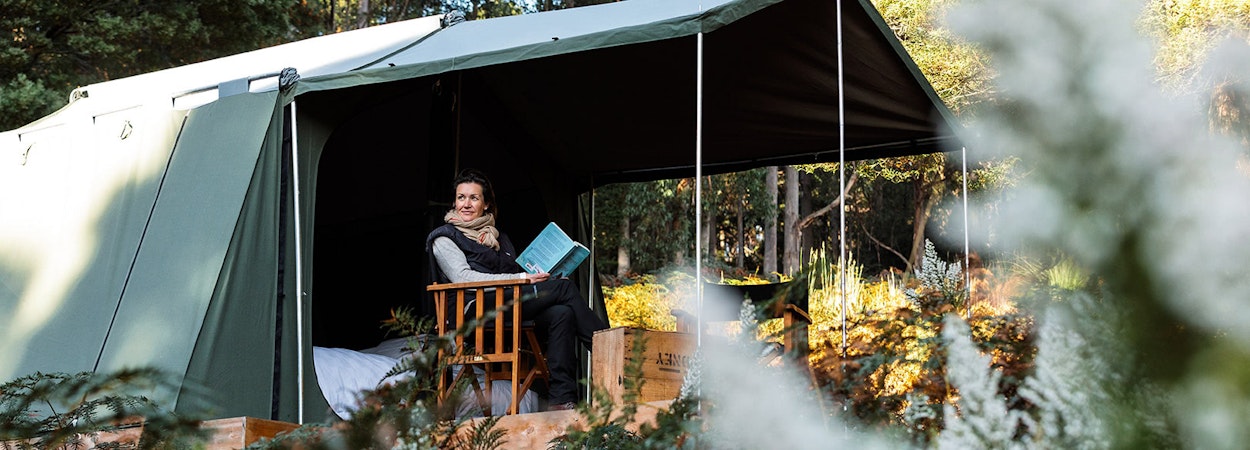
<point x="666" y="357"/>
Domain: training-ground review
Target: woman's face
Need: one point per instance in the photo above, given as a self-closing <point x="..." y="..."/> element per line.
<point x="470" y="204"/>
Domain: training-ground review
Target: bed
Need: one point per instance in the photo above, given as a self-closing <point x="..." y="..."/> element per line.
<point x="343" y="374"/>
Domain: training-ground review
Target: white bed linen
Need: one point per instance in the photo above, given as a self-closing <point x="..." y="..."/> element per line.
<point x="344" y="374"/>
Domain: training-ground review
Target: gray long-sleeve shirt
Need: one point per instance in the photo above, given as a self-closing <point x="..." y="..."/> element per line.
<point x="452" y="262"/>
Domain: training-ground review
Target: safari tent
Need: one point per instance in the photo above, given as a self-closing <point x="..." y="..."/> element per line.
<point x="217" y="220"/>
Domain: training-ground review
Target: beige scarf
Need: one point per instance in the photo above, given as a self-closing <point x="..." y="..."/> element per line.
<point x="481" y="230"/>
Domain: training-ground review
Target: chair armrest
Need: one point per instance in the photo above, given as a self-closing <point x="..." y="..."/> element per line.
<point x="797" y="313"/>
<point x="476" y="284"/>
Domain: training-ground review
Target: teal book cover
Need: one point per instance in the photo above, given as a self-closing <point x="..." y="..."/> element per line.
<point x="554" y="252"/>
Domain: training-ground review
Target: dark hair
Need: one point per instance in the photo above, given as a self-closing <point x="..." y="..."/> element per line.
<point x="476" y="176"/>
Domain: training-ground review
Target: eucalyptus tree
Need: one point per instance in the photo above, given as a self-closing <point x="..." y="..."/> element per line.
<point x="738" y="208"/>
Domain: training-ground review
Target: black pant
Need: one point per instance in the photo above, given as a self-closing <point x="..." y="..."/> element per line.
<point x="561" y="317"/>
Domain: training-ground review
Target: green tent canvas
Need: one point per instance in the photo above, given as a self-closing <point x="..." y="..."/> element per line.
<point x="206" y="222"/>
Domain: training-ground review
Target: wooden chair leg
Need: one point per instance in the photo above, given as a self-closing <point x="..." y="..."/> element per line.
<point x="539" y="369"/>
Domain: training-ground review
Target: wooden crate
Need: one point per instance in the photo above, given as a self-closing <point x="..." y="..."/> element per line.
<point x="666" y="358"/>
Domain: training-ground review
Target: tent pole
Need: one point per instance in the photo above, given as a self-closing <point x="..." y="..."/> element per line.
<point x="590" y="281"/>
<point x="841" y="182"/>
<point x="299" y="266"/>
<point x="967" y="256"/>
<point x="698" y="190"/>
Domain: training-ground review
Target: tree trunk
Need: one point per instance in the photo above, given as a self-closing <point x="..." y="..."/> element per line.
<point x="708" y="238"/>
<point x="925" y="201"/>
<point x="740" y="244"/>
<point x="362" y="17"/>
<point x="708" y="220"/>
<point x="807" y="240"/>
<point x="770" y="224"/>
<point x="622" y="250"/>
<point x="790" y="258"/>
<point x="679" y="255"/>
<point x="828" y="209"/>
<point x="676" y="226"/>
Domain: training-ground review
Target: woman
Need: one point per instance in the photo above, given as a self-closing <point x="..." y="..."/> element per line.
<point x="468" y="247"/>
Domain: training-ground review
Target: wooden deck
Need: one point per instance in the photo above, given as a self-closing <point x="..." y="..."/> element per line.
<point x="535" y="430"/>
<point x="532" y="430"/>
<point x="224" y="434"/>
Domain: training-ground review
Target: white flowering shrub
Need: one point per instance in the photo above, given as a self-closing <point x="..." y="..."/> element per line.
<point x="978" y="417"/>
<point x="1129" y="181"/>
<point x="937" y="275"/>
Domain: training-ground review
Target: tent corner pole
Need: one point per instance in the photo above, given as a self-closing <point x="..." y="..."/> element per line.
<point x="590" y="280"/>
<point x="299" y="266"/>
<point x="963" y="152"/>
<point x="698" y="191"/>
<point x="842" y="259"/>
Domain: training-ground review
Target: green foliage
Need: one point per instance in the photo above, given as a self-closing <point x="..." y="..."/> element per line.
<point x="647" y="300"/>
<point x="604" y="428"/>
<point x="731" y="197"/>
<point x="27" y="99"/>
<point x="1187" y="31"/>
<point x="57" y="410"/>
<point x="353" y="14"/>
<point x="48" y="49"/>
<point x="663" y="209"/>
<point x="957" y="70"/>
<point x="1067" y="275"/>
<point x="1050" y="278"/>
<point x="653" y="209"/>
<point x="892" y="374"/>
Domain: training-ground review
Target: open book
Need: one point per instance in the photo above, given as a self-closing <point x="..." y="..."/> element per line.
<point x="553" y="252"/>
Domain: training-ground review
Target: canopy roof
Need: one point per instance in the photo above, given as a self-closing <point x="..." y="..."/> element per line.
<point x="589" y="85"/>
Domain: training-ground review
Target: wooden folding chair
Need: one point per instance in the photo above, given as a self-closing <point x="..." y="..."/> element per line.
<point x="504" y="346"/>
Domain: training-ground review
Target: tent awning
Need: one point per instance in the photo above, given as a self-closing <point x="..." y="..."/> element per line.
<point x="586" y="84"/>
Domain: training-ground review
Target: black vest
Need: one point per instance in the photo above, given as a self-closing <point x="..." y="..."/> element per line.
<point x="480" y="257"/>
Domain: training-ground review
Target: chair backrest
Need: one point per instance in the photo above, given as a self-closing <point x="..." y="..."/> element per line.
<point x="436" y="276"/>
<point x="496" y="344"/>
